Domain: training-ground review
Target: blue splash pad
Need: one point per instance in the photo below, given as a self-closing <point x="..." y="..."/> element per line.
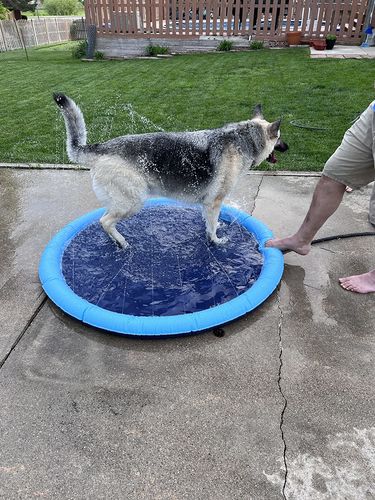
<point x="170" y="267"/>
<point x="171" y="280"/>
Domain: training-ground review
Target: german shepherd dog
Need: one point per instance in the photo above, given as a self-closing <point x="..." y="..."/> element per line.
<point x="199" y="167"/>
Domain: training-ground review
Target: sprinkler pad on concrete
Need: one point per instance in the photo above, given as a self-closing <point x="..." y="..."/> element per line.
<point x="171" y="280"/>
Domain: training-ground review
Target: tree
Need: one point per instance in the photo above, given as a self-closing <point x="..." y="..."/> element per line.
<point x="3" y="12"/>
<point x="62" y="7"/>
<point x="17" y="6"/>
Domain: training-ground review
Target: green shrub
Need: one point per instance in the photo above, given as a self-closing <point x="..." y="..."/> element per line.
<point x="154" y="50"/>
<point x="256" y="45"/>
<point x="62" y="7"/>
<point x="99" y="55"/>
<point x="331" y="37"/>
<point x="79" y="50"/>
<point x="225" y="46"/>
<point x="3" y="12"/>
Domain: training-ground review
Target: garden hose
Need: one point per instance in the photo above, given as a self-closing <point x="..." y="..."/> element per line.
<point x="342" y="236"/>
<point x="337" y="237"/>
<point x="308" y="127"/>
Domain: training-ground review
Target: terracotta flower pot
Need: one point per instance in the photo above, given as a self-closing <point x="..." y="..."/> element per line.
<point x="293" y="37"/>
<point x="319" y="44"/>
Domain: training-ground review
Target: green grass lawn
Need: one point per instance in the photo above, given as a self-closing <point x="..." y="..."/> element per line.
<point x="182" y="93"/>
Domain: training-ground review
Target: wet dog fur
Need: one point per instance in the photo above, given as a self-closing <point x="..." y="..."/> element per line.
<point x="199" y="167"/>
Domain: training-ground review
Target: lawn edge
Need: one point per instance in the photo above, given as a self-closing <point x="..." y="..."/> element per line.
<point x="69" y="166"/>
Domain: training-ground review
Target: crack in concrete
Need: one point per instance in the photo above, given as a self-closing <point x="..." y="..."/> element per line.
<point x="24" y="330"/>
<point x="314" y="287"/>
<point x="279" y="329"/>
<point x="257" y="194"/>
<point x="327" y="250"/>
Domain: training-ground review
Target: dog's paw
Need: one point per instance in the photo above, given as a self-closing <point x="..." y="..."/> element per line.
<point x="219" y="241"/>
<point x="121" y="243"/>
<point x="222" y="241"/>
<point x="124" y="246"/>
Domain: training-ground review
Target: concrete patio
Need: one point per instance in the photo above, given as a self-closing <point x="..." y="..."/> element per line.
<point x="281" y="406"/>
<point x="344" y="52"/>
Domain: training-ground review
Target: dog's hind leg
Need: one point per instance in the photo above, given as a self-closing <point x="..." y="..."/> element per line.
<point x="211" y="211"/>
<point x="123" y="194"/>
<point x="108" y="222"/>
<point x="114" y="214"/>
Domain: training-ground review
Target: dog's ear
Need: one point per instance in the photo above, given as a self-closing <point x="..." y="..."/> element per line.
<point x="257" y="111"/>
<point x="273" y="129"/>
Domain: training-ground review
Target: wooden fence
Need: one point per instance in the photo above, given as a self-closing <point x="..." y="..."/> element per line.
<point x="261" y="19"/>
<point x="33" y="32"/>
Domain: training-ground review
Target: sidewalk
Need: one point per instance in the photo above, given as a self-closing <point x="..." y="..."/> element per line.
<point x="88" y="415"/>
<point x="344" y="52"/>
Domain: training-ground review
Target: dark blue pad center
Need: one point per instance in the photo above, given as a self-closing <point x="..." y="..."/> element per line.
<point x="170" y="267"/>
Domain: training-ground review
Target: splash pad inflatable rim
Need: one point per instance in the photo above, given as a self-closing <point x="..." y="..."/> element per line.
<point x="55" y="286"/>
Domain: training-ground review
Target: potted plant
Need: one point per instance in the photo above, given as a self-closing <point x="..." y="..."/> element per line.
<point x="319" y="44"/>
<point x="330" y="41"/>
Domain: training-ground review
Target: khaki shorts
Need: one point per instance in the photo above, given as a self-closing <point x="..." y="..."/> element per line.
<point x="353" y="161"/>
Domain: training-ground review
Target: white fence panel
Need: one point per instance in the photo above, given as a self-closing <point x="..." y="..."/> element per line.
<point x="35" y="31"/>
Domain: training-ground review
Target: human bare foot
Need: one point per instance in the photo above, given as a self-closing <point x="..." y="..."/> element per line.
<point x="290" y="244"/>
<point x="360" y="283"/>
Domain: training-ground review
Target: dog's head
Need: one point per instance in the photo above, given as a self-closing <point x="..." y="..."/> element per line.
<point x="273" y="141"/>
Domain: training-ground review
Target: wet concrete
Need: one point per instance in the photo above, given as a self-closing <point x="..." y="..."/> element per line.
<point x="328" y="343"/>
<point x="35" y="204"/>
<point x="85" y="414"/>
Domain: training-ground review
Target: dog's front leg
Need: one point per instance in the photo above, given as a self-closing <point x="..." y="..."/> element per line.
<point x="211" y="213"/>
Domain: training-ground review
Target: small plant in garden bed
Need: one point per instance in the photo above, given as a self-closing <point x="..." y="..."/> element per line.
<point x="256" y="45"/>
<point x="79" y="50"/>
<point x="225" y="46"/>
<point x="98" y="56"/>
<point x="154" y="50"/>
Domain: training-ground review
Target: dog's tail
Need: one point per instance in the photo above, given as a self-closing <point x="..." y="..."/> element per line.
<point x="75" y="126"/>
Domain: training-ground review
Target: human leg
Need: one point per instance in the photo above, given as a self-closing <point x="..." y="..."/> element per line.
<point x="326" y="199"/>
<point x="371" y="212"/>
<point x="352" y="165"/>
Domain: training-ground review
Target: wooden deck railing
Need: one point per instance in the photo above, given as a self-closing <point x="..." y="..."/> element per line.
<point x="262" y="19"/>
